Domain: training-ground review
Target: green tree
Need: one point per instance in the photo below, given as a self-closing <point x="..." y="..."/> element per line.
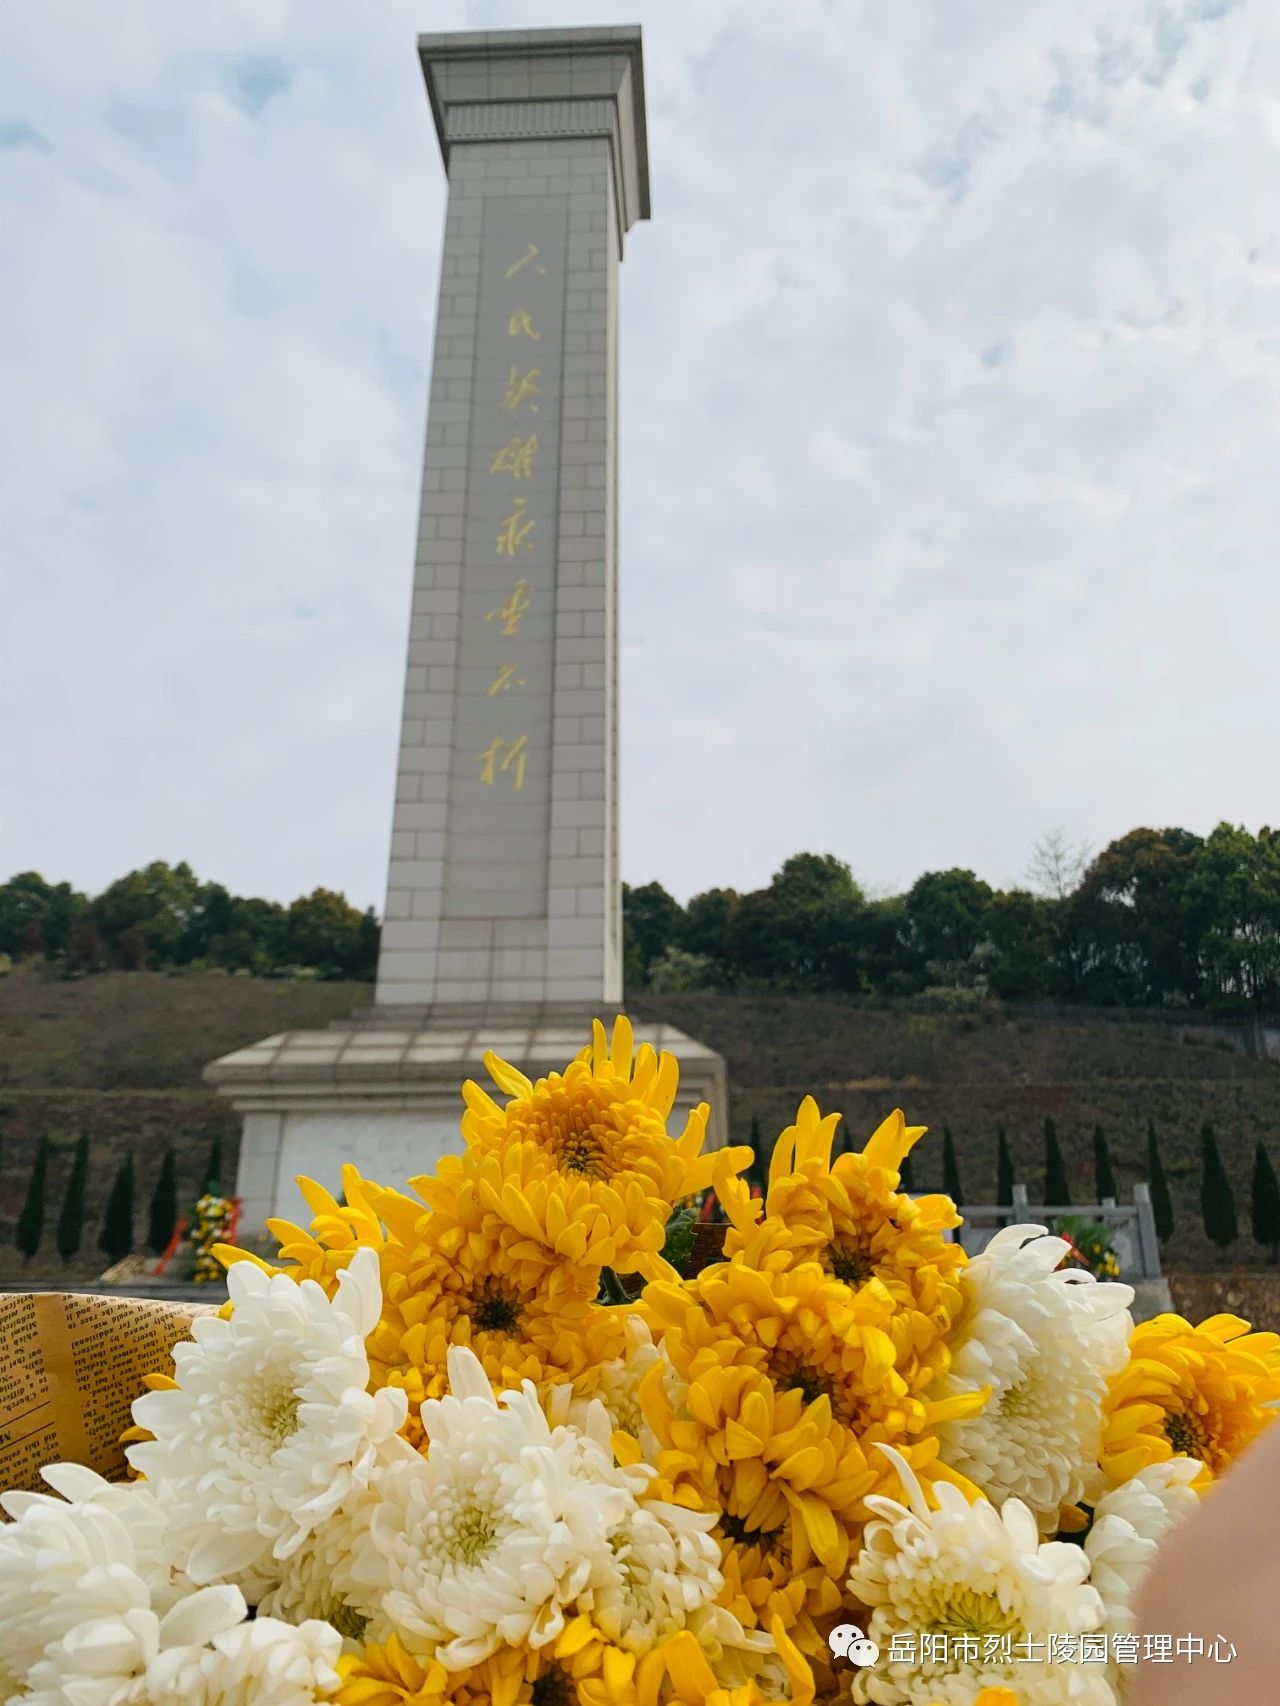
<point x="30" y="1228"/>
<point x="162" y="1216"/>
<point x="632" y="960"/>
<point x="1266" y="1203"/>
<point x="131" y="950"/>
<point x="1217" y="1200"/>
<point x="1161" y="1201"/>
<point x="363" y="965"/>
<point x="1004" y="1169"/>
<point x="801" y="933"/>
<point x="156" y="902"/>
<point x="323" y="930"/>
<point x="677" y="969"/>
<point x="212" y="920"/>
<point x="1057" y="1186"/>
<point x="1103" y="1174"/>
<point x="951" y="1169"/>
<point x="1142" y="910"/>
<point x="655" y="918"/>
<point x="946" y="915"/>
<point x="36" y="916"/>
<point x="706" y="928"/>
<point x="84" y="950"/>
<point x="116" y="1237"/>
<point x="71" y="1220"/>
<point x="212" y="1180"/>
<point x="1238" y="883"/>
<point x="1020" y="928"/>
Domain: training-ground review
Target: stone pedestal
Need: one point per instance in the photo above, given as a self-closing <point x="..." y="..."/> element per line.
<point x="386" y="1095"/>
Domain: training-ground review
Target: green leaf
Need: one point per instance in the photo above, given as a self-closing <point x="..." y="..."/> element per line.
<point x="678" y="1246"/>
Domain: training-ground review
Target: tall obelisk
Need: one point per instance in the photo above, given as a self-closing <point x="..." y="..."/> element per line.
<point x="502" y="925"/>
<point x="504" y="884"/>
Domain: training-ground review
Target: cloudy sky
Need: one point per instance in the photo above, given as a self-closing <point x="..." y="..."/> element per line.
<point x="950" y="430"/>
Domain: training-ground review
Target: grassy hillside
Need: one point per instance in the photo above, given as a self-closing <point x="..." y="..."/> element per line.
<point x="973" y="1071"/>
<point x="120" y="1057"/>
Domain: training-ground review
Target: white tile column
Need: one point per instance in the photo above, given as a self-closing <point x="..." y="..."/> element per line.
<point x="504" y="887"/>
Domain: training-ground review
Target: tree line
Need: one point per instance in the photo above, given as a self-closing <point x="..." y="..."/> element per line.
<point x="117" y="1234"/>
<point x="165" y="916"/>
<point x="1159" y="918"/>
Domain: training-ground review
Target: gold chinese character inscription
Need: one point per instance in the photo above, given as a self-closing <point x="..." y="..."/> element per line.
<point x="519" y="323"/>
<point x="514" y="760"/>
<point x="513" y="534"/>
<point x="506" y="679"/>
<point x="512" y="609"/>
<point x="522" y="388"/>
<point x="530" y="254"/>
<point x="516" y="458"/>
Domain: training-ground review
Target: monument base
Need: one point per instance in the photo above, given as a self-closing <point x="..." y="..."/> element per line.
<point x="384" y="1091"/>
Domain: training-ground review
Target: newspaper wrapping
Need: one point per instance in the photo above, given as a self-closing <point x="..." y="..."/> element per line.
<point x="70" y="1368"/>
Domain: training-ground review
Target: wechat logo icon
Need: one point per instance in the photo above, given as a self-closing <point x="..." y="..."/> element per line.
<point x="847" y="1641"/>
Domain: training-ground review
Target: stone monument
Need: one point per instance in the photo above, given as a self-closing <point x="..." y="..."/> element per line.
<point x="503" y="925"/>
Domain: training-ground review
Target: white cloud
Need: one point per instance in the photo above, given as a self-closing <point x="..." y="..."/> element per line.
<point x="951" y="409"/>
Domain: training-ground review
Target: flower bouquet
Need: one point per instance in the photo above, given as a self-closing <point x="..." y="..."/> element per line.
<point x="1090" y="1245"/>
<point x="438" y="1453"/>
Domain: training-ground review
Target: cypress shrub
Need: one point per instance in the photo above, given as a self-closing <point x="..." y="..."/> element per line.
<point x="951" y="1168"/>
<point x="1057" y="1189"/>
<point x="212" y="1181"/>
<point x="1004" y="1169"/>
<point x="163" y="1214"/>
<point x="71" y="1220"/>
<point x="1161" y="1201"/>
<point x="116" y="1238"/>
<point x="30" y="1228"/>
<point x="1217" y="1201"/>
<point x="1265" y="1203"/>
<point x="1103" y="1174"/>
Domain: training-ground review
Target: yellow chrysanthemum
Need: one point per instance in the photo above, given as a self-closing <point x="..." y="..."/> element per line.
<point x="459" y="1274"/>
<point x="322" y="1250"/>
<point x="581" y="1163"/>
<point x="692" y="1682"/>
<point x="1204" y="1392"/>
<point x="763" y="1583"/>
<point x="579" y="1668"/>
<point x="850" y="1216"/>
<point x="790" y="1379"/>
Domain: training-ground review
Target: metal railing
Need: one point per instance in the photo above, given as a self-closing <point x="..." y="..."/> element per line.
<point x="1132" y="1226"/>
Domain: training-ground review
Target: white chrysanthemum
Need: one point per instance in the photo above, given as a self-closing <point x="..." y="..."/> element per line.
<point x="495" y="1531"/>
<point x="976" y="1571"/>
<point x="111" y="1660"/>
<point x="615" y="1384"/>
<point x="264" y="1663"/>
<point x="1129" y="1525"/>
<point x="270" y="1427"/>
<point x="1046" y="1341"/>
<point x="98" y="1551"/>
<point x="664" y="1567"/>
<point x="307" y="1583"/>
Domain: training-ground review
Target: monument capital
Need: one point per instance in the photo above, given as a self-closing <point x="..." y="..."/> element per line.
<point x="545" y="85"/>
